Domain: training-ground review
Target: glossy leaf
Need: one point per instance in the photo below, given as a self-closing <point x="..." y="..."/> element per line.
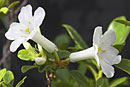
<point x="62" y="41"/>
<point x="118" y="81"/>
<point x="125" y="22"/>
<point x="26" y="55"/>
<point x="13" y="4"/>
<point x="75" y="36"/>
<point x="122" y="31"/>
<point x="21" y="82"/>
<point x="124" y="65"/>
<point x="78" y="77"/>
<point x="25" y="68"/>
<point x="2" y="73"/>
<point x="9" y="78"/>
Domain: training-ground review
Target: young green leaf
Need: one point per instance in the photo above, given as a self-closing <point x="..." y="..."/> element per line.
<point x="78" y="77"/>
<point x="122" y="31"/>
<point x="21" y="82"/>
<point x="62" y="41"/>
<point x="4" y="10"/>
<point x="13" y="4"/>
<point x="26" y="55"/>
<point x="9" y="78"/>
<point x="75" y="36"/>
<point x="118" y="81"/>
<point x="124" y="65"/>
<point x="3" y="3"/>
<point x="2" y="73"/>
<point x="25" y="68"/>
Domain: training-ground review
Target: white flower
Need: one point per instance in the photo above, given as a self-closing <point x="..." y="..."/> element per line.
<point x="28" y="29"/>
<point x="40" y="60"/>
<point x="102" y="51"/>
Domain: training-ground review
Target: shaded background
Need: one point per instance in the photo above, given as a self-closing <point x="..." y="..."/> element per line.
<point x="84" y="16"/>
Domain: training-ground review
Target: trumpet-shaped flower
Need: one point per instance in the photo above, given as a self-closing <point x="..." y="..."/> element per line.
<point x="40" y="60"/>
<point x="28" y="29"/>
<point x="102" y="51"/>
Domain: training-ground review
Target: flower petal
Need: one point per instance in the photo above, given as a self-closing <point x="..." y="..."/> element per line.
<point x="96" y="56"/>
<point x="108" y="38"/>
<point x="107" y="69"/>
<point x="25" y="14"/>
<point x="110" y="59"/>
<point x="97" y="35"/>
<point x="15" y="44"/>
<point x="117" y="60"/>
<point x="110" y="50"/>
<point x="81" y="55"/>
<point x="39" y="15"/>
<point x="14" y="31"/>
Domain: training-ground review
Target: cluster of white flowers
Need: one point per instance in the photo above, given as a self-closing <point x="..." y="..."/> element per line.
<point x="28" y="26"/>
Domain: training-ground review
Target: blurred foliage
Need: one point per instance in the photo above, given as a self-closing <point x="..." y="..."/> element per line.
<point x="7" y="79"/>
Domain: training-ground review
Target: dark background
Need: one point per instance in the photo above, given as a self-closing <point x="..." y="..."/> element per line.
<point x="83" y="15"/>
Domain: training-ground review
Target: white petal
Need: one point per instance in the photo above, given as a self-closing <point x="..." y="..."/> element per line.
<point x="110" y="59"/>
<point x="97" y="35"/>
<point x="25" y="15"/>
<point x="96" y="56"/>
<point x="107" y="69"/>
<point x="108" y="38"/>
<point x="110" y="50"/>
<point x="39" y="15"/>
<point x="14" y="31"/>
<point x="81" y="55"/>
<point x="44" y="42"/>
<point x="117" y="60"/>
<point x="15" y="44"/>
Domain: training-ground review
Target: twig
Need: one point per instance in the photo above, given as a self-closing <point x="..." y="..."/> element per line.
<point x="4" y="57"/>
<point x="48" y="79"/>
<point x="22" y="4"/>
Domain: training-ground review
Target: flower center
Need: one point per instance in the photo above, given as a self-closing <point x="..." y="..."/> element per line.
<point x="27" y="30"/>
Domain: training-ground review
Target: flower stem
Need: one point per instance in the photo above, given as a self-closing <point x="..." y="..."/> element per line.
<point x="56" y="57"/>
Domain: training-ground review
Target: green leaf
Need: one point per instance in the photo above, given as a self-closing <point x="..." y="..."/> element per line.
<point x="75" y="36"/>
<point x="26" y="55"/>
<point x="50" y="66"/>
<point x="121" y="30"/>
<point x="100" y="82"/>
<point x="21" y="82"/>
<point x="4" y="10"/>
<point x="2" y="73"/>
<point x="13" y="4"/>
<point x="63" y="74"/>
<point x="9" y="78"/>
<point x="125" y="22"/>
<point x="82" y="68"/>
<point x="3" y="3"/>
<point x="118" y="81"/>
<point x="62" y="41"/>
<point x="25" y="68"/>
<point x="124" y="65"/>
<point x="78" y="77"/>
<point x="63" y="54"/>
